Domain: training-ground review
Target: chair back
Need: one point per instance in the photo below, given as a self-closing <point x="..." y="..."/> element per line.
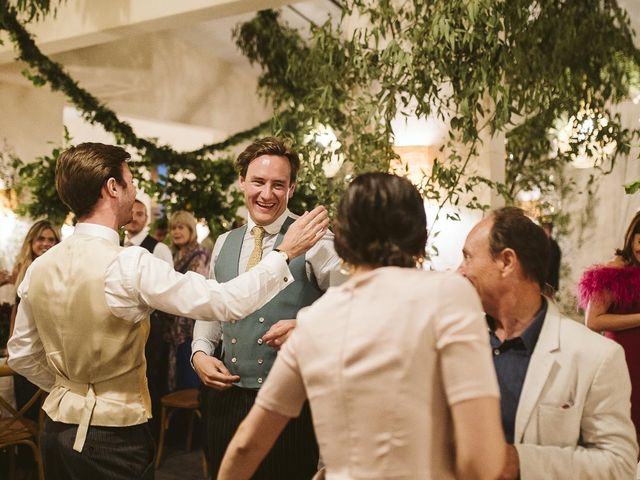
<point x="16" y="425"/>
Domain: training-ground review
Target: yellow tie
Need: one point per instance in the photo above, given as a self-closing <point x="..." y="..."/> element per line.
<point x="256" y="254"/>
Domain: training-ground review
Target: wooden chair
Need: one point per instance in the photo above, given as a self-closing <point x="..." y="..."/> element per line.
<point x="18" y="430"/>
<point x="186" y="400"/>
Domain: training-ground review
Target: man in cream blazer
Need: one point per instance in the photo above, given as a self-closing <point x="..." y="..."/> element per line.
<point x="565" y="390"/>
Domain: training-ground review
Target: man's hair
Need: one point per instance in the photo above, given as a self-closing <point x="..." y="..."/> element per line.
<point x="513" y="229"/>
<point x="626" y="252"/>
<point x="268" y="146"/>
<point x="381" y="222"/>
<point x="81" y="171"/>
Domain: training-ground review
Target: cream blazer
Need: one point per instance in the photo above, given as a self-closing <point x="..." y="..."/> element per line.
<point x="573" y="420"/>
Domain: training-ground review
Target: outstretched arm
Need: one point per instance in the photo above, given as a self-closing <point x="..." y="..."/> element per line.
<point x="136" y="282"/>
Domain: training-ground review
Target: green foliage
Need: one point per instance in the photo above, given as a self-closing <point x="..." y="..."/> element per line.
<point x="482" y="65"/>
<point x="39" y="179"/>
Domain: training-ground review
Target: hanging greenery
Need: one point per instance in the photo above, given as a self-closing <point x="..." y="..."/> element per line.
<point x="215" y="175"/>
<point x="482" y="66"/>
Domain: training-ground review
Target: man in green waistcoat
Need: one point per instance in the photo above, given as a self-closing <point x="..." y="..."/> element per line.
<point x="268" y="170"/>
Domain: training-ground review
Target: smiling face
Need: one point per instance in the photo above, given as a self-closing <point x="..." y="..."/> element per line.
<point x="43" y="242"/>
<point x="480" y="267"/>
<point x="267" y="188"/>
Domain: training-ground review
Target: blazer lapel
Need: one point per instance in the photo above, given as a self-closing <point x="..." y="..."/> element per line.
<point x="542" y="361"/>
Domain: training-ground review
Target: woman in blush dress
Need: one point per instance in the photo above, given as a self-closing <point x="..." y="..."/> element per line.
<point x="610" y="295"/>
<point x="395" y="362"/>
<point x="188" y="256"/>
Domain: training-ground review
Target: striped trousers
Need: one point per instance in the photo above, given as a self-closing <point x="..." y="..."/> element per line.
<point x="294" y="456"/>
<point x="109" y="453"/>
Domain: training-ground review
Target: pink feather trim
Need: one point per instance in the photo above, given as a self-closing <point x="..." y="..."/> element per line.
<point x="622" y="283"/>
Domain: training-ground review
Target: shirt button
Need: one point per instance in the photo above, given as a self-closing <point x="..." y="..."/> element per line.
<point x="233" y="322"/>
<point x="234" y="360"/>
<point x="234" y="340"/>
<point x="260" y="361"/>
<point x="261" y="319"/>
<point x="259" y="341"/>
<point x="286" y="279"/>
<point x="259" y="379"/>
<point x="496" y="351"/>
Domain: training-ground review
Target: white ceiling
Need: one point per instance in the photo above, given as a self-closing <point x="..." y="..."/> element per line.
<point x="214" y="36"/>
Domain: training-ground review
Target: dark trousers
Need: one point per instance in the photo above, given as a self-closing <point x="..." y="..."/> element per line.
<point x="294" y="455"/>
<point x="109" y="453"/>
<point x="156" y="352"/>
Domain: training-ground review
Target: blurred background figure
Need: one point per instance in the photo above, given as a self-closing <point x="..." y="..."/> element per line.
<point x="156" y="349"/>
<point x="188" y="256"/>
<point x="395" y="362"/>
<point x="555" y="255"/>
<point x="610" y="295"/>
<point x="41" y="237"/>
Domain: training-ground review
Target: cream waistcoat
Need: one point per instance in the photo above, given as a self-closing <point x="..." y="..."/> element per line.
<point x="98" y="358"/>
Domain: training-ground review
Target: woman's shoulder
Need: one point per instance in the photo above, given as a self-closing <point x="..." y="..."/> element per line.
<point x="615" y="277"/>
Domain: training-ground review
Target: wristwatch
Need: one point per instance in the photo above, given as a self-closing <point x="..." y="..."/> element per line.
<point x="284" y="254"/>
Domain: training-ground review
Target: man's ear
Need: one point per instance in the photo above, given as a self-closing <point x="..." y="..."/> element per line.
<point x="292" y="189"/>
<point x="241" y="181"/>
<point x="509" y="260"/>
<point x="109" y="187"/>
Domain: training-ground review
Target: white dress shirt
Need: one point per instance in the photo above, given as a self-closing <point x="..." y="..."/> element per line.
<point x="136" y="283"/>
<point x="160" y="250"/>
<point x="321" y="262"/>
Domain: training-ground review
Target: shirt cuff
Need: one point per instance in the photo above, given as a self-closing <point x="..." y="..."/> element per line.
<point x="279" y="265"/>
<point x="200" y="345"/>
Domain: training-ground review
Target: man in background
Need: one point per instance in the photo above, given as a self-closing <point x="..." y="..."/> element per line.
<point x="156" y="349"/>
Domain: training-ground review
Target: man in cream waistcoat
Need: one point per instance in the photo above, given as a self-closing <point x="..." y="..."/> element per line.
<point x="565" y="390"/>
<point x="84" y="318"/>
<point x="268" y="169"/>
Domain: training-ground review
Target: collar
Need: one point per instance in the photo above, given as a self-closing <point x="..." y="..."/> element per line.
<point x="138" y="238"/>
<point x="530" y="336"/>
<point x="274" y="227"/>
<point x="95" y="230"/>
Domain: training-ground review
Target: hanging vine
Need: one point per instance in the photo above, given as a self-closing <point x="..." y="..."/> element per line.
<point x="482" y="66"/>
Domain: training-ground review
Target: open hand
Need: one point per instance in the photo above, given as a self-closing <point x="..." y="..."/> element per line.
<point x="305" y="232"/>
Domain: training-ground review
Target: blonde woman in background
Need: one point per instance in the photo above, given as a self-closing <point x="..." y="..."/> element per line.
<point x="188" y="256"/>
<point x="41" y="237"/>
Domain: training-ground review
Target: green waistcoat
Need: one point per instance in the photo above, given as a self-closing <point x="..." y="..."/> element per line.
<point x="245" y="354"/>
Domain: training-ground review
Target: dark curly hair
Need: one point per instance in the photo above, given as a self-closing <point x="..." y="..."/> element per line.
<point x="381" y="222"/>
